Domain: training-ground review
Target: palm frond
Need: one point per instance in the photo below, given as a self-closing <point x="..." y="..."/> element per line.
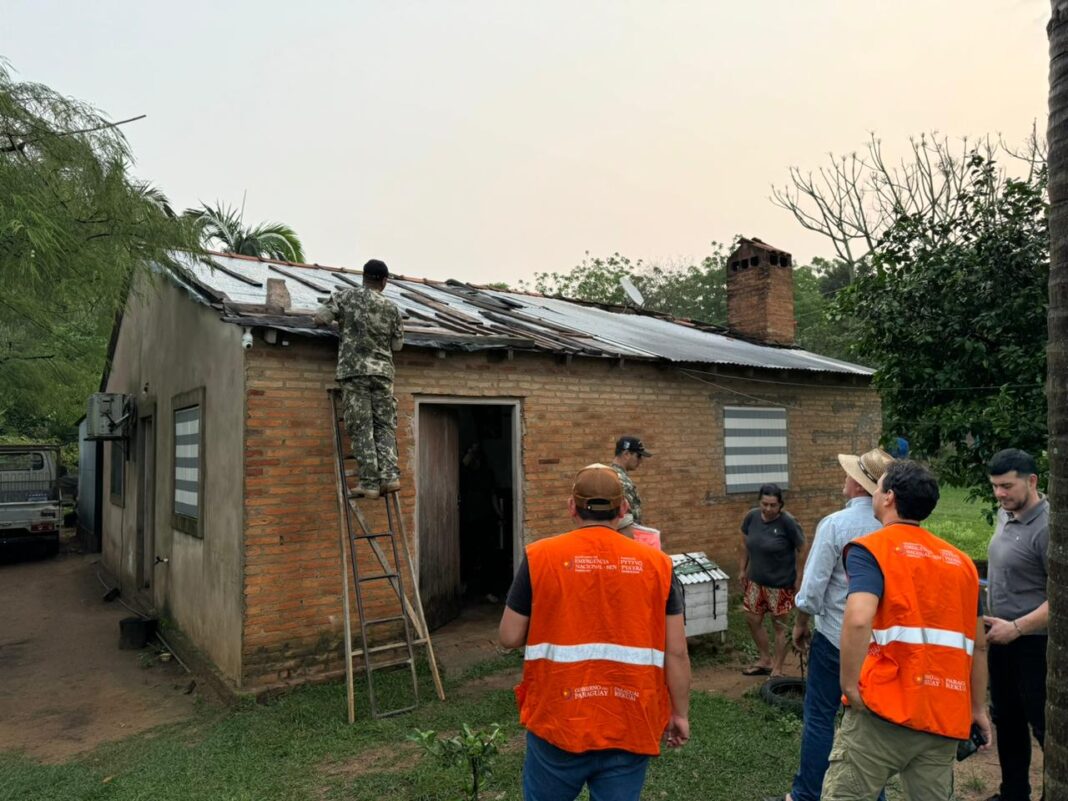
<point x="222" y="226"/>
<point x="280" y="239"/>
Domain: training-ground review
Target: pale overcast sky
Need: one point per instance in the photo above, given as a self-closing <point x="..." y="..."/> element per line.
<point x="485" y="141"/>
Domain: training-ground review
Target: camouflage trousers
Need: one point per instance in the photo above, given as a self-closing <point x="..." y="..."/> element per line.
<point x="370" y="412"/>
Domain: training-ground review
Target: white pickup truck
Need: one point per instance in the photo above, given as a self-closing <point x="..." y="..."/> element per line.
<point x="30" y="500"/>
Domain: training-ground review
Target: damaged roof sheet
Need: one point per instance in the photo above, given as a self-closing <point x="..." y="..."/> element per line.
<point x="453" y="315"/>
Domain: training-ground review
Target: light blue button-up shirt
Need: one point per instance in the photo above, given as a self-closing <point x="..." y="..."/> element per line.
<point x="825" y="585"/>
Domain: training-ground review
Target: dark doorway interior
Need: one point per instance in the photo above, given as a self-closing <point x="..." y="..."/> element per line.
<point x="467" y="462"/>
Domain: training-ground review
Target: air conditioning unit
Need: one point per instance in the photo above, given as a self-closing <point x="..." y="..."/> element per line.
<point x="108" y="416"/>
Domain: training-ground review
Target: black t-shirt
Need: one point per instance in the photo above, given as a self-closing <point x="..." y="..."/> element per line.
<point x="520" y="595"/>
<point x="772" y="548"/>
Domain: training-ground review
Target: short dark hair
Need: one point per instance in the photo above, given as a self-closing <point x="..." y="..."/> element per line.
<point x="1011" y="459"/>
<point x="375" y="272"/>
<point x="598" y="515"/>
<point x="771" y="489"/>
<point x="915" y="488"/>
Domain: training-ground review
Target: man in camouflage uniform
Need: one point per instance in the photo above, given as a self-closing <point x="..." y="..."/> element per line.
<point x="370" y="330"/>
<point x="629" y="455"/>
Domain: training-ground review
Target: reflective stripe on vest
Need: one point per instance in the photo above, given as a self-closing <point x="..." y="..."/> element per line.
<point x="607" y="651"/>
<point x="916" y="635"/>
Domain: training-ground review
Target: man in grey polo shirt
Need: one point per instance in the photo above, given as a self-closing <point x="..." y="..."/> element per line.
<point x="1018" y="613"/>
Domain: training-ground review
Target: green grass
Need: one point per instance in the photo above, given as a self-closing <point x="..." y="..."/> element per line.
<point x="961" y="523"/>
<point x="299" y="747"/>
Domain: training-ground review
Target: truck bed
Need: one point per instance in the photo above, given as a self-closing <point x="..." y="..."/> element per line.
<point x="29" y="492"/>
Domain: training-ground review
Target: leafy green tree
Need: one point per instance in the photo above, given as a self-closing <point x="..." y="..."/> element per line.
<point x="938" y="284"/>
<point x="698" y="291"/>
<point x="74" y="228"/>
<point x="695" y="291"/>
<point x="953" y="315"/>
<point x="816" y="287"/>
<point x="595" y="279"/>
<point x="223" y="227"/>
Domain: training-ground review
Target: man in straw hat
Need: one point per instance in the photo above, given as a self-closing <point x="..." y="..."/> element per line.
<point x="913" y="651"/>
<point x="823" y="596"/>
<point x="606" y="674"/>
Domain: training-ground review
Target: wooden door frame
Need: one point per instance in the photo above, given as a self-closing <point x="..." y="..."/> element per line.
<point x="146" y="458"/>
<point x="516" y="405"/>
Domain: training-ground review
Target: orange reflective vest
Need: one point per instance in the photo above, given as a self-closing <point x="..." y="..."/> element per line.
<point x="918" y="669"/>
<point x="593" y="675"/>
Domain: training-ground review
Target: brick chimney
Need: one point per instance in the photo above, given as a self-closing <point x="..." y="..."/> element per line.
<point x="760" y="293"/>
<point x="278" y="300"/>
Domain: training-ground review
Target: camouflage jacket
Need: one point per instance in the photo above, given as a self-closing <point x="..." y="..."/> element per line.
<point x="370" y="329"/>
<point x="630" y="492"/>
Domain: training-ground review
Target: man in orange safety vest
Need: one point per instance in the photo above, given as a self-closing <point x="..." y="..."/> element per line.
<point x="913" y="661"/>
<point x="606" y="674"/>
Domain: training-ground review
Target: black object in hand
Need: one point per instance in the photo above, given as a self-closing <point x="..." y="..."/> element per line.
<point x="965" y="748"/>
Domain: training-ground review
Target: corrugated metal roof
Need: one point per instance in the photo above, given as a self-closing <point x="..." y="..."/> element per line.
<point x="696" y="568"/>
<point x="453" y="315"/>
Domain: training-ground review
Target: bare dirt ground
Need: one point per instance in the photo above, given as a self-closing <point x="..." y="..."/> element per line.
<point x="66" y="686"/>
<point x="978" y="777"/>
<point x="469" y="639"/>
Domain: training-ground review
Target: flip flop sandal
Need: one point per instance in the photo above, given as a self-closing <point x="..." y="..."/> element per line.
<point x="756" y="670"/>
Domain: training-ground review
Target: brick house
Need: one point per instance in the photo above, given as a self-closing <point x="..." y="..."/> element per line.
<point x="220" y="510"/>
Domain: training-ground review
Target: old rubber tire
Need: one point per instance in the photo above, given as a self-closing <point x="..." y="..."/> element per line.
<point x="785" y="693"/>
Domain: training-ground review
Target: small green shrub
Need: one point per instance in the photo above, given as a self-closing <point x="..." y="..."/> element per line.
<point x="475" y="749"/>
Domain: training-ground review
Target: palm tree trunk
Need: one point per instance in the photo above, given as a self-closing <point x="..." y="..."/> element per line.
<point x="1057" y="396"/>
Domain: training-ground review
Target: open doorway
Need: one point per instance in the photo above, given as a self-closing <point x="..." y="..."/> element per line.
<point x="468" y="503"/>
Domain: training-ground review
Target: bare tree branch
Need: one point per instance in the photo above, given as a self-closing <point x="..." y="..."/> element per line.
<point x="856" y="197"/>
<point x="27" y="139"/>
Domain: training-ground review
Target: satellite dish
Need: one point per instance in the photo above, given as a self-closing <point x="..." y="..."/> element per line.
<point x="631" y="291"/>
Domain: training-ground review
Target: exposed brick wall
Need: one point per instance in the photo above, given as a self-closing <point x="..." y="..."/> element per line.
<point x="571" y="416"/>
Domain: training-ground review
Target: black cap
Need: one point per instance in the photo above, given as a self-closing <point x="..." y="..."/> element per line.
<point x="632" y="444"/>
<point x="376" y="269"/>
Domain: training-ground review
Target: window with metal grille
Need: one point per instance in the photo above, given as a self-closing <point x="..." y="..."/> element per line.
<point x="755" y="448"/>
<point x="188" y="463"/>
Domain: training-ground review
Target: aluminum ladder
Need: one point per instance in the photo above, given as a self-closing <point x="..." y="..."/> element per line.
<point x="384" y="567"/>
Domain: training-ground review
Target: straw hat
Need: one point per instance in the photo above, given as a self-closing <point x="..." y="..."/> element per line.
<point x="867" y="468"/>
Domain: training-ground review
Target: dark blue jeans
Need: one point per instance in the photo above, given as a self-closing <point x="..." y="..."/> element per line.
<point x="552" y="774"/>
<point x="823" y="697"/>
